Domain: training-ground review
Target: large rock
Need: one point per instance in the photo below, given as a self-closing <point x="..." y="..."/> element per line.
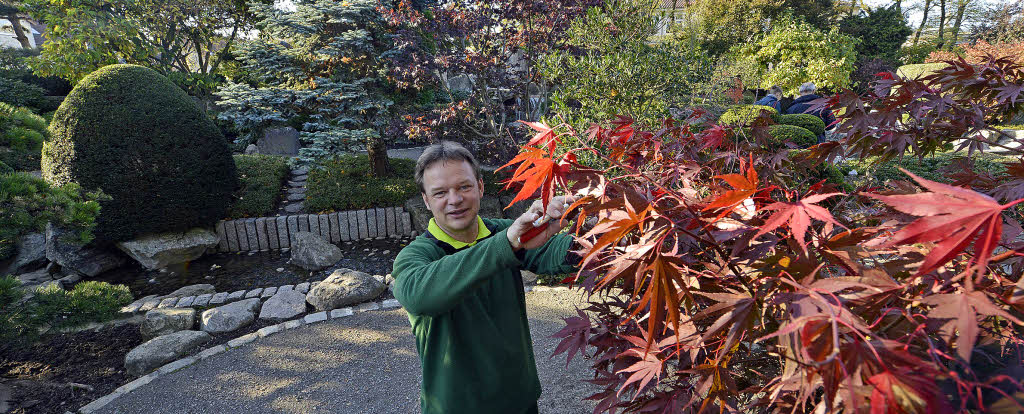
<point x="35" y="278"/>
<point x="31" y="254"/>
<point x="461" y="83"/>
<point x="312" y="252"/>
<point x="191" y="290"/>
<point x="516" y="210"/>
<point x="284" y="305"/>
<point x="490" y="207"/>
<point x="167" y="320"/>
<point x="161" y="250"/>
<point x="229" y="317"/>
<point x="279" y="141"/>
<point x="163" y="349"/>
<point x="89" y="261"/>
<point x="421" y="215"/>
<point x="342" y="288"/>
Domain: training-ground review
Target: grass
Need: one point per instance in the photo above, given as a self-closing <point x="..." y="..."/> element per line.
<point x="929" y="168"/>
<point x="260" y="178"/>
<point x="344" y="183"/>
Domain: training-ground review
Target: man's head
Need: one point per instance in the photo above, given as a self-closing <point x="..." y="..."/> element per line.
<point x="775" y="90"/>
<point x="807" y="88"/>
<point x="451" y="186"/>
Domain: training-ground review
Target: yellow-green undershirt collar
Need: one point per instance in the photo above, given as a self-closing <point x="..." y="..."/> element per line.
<point x="481" y="232"/>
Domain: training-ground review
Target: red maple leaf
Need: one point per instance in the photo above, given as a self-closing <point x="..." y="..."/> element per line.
<point x="798" y="215"/>
<point x="574" y="336"/>
<point x="952" y="217"/>
<point x="537" y="170"/>
<point x="544" y="136"/>
<point x="958" y="312"/>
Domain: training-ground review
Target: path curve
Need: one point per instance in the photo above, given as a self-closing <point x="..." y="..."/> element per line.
<point x="364" y="363"/>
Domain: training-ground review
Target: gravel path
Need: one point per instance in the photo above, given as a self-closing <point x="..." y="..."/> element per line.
<point x="364" y="363"/>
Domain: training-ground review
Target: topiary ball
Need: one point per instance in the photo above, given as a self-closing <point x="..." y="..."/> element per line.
<point x="782" y="134"/>
<point x="130" y="132"/>
<point x="743" y="115"/>
<point x="810" y="122"/>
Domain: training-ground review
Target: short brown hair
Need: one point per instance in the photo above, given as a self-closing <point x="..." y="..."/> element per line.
<point x="444" y="151"/>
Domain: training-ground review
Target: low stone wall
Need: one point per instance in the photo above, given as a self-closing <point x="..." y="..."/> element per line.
<point x="274" y="233"/>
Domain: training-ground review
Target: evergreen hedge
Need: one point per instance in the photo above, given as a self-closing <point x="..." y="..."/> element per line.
<point x="802" y="137"/>
<point x="745" y="114"/>
<point x="130" y="132"/>
<point x="810" y="122"/>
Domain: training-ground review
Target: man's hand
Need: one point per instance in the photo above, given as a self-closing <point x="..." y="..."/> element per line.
<point x="524" y="223"/>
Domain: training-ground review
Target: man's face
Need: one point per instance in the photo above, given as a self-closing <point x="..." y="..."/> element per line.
<point x="452" y="192"/>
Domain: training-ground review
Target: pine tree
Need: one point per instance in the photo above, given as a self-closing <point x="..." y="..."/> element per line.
<point x="321" y="64"/>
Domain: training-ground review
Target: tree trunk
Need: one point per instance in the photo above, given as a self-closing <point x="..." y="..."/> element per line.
<point x="378" y="154"/>
<point x="961" y="8"/>
<point x="942" y="24"/>
<point x="19" y="32"/>
<point x="924" y="19"/>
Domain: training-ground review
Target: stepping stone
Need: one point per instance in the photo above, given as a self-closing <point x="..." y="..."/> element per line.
<point x="236" y="295"/>
<point x="254" y="293"/>
<point x="300" y="171"/>
<point x="219" y="298"/>
<point x="132" y="307"/>
<point x="268" y="292"/>
<point x="167" y="303"/>
<point x="297" y="197"/>
<point x="185" y="302"/>
<point x="293" y="208"/>
<point x="149" y="305"/>
<point x="297" y="190"/>
<point x="296" y="183"/>
<point x="302" y="287"/>
<point x="285" y="288"/>
<point x="202" y="300"/>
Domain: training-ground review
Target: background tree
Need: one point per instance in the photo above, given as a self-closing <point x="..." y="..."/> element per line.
<point x="1001" y="23"/>
<point x="718" y="25"/>
<point x="881" y="32"/>
<point x="319" y="67"/>
<point x="10" y="10"/>
<point x="794" y="52"/>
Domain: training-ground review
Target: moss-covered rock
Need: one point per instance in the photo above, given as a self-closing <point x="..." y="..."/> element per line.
<point x="745" y="114"/>
<point x="810" y="122"/>
<point x="133" y="134"/>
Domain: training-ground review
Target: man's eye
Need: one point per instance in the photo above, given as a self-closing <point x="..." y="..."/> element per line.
<point x="440" y="194"/>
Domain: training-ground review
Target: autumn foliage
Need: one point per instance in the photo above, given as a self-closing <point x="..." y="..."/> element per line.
<point x="724" y="276"/>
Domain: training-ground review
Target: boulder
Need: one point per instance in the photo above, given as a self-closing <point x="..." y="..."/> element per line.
<point x="167" y="320"/>
<point x="190" y="290"/>
<point x="31" y="254"/>
<point x="229" y="317"/>
<point x="89" y="261"/>
<point x="342" y="288"/>
<point x="528" y="276"/>
<point x="461" y="83"/>
<point x="312" y="252"/>
<point x="161" y="250"/>
<point x="284" y="305"/>
<point x="490" y="207"/>
<point x="421" y="215"/>
<point x="162" y="349"/>
<point x="35" y="278"/>
<point x="251" y="149"/>
<point x="279" y="141"/>
<point x="516" y="210"/>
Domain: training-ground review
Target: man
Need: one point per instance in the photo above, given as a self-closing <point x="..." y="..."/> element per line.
<point x="460" y="284"/>
<point x="772" y="99"/>
<point x="802" y="104"/>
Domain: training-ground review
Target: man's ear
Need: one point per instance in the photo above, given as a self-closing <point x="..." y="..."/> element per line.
<point x="481" y="183"/>
<point x="424" y="197"/>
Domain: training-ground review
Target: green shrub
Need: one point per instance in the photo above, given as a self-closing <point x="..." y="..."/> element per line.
<point x="344" y="183"/>
<point x="782" y="134"/>
<point x="745" y="114"/>
<point x="129" y="131"/>
<point x="929" y="168"/>
<point x="27" y="203"/>
<point x="4" y="168"/>
<point x="53" y="308"/>
<point x="88" y="302"/>
<point x="1014" y="127"/>
<point x="810" y="122"/>
<point x="18" y="93"/>
<point x="21" y="137"/>
<point x="260" y="178"/>
<point x="918" y="70"/>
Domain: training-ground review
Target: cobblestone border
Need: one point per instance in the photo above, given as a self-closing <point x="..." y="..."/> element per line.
<point x="307" y="319"/>
<point x="278" y="233"/>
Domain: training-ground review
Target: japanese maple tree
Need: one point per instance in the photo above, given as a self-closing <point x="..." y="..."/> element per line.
<point x="724" y="275"/>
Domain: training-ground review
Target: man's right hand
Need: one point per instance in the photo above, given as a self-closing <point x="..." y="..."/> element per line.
<point x="524" y="223"/>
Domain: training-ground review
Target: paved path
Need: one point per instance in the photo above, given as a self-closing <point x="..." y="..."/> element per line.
<point x="365" y="363"/>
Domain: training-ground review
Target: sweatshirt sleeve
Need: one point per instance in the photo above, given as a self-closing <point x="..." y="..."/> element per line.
<point x="553" y="257"/>
<point x="426" y="284"/>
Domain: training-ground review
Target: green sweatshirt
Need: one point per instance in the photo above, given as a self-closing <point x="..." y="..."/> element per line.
<point x="468" y="312"/>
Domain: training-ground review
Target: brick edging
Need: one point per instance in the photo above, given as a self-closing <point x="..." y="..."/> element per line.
<point x="307" y="319"/>
<point x="277" y="233"/>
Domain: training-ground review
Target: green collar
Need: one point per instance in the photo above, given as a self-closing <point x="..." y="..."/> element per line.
<point x="439" y="234"/>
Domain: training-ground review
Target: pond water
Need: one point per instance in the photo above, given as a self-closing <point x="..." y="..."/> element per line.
<point x="229" y="272"/>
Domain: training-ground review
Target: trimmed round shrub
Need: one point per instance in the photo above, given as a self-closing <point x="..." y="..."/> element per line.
<point x="810" y="122"/>
<point x="745" y="114"/>
<point x="128" y="131"/>
<point x="782" y="134"/>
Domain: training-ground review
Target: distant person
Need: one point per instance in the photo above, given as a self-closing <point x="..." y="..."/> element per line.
<point x="772" y="99"/>
<point x="802" y="104"/>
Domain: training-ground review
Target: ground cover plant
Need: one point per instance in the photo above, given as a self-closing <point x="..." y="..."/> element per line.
<point x="722" y="279"/>
<point x="25" y="315"/>
<point x="28" y="203"/>
<point x="22" y="133"/>
<point x="259" y="184"/>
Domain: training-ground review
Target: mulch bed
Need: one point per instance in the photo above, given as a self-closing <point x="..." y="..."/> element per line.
<point x="40" y="375"/>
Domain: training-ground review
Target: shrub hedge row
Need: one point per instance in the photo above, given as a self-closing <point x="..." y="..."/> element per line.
<point x="260" y="178"/>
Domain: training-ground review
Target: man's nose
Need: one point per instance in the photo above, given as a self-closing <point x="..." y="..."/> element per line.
<point x="454" y="197"/>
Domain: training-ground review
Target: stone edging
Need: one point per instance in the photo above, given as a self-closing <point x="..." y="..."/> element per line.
<point x="261" y="333"/>
<point x="276" y="233"/>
